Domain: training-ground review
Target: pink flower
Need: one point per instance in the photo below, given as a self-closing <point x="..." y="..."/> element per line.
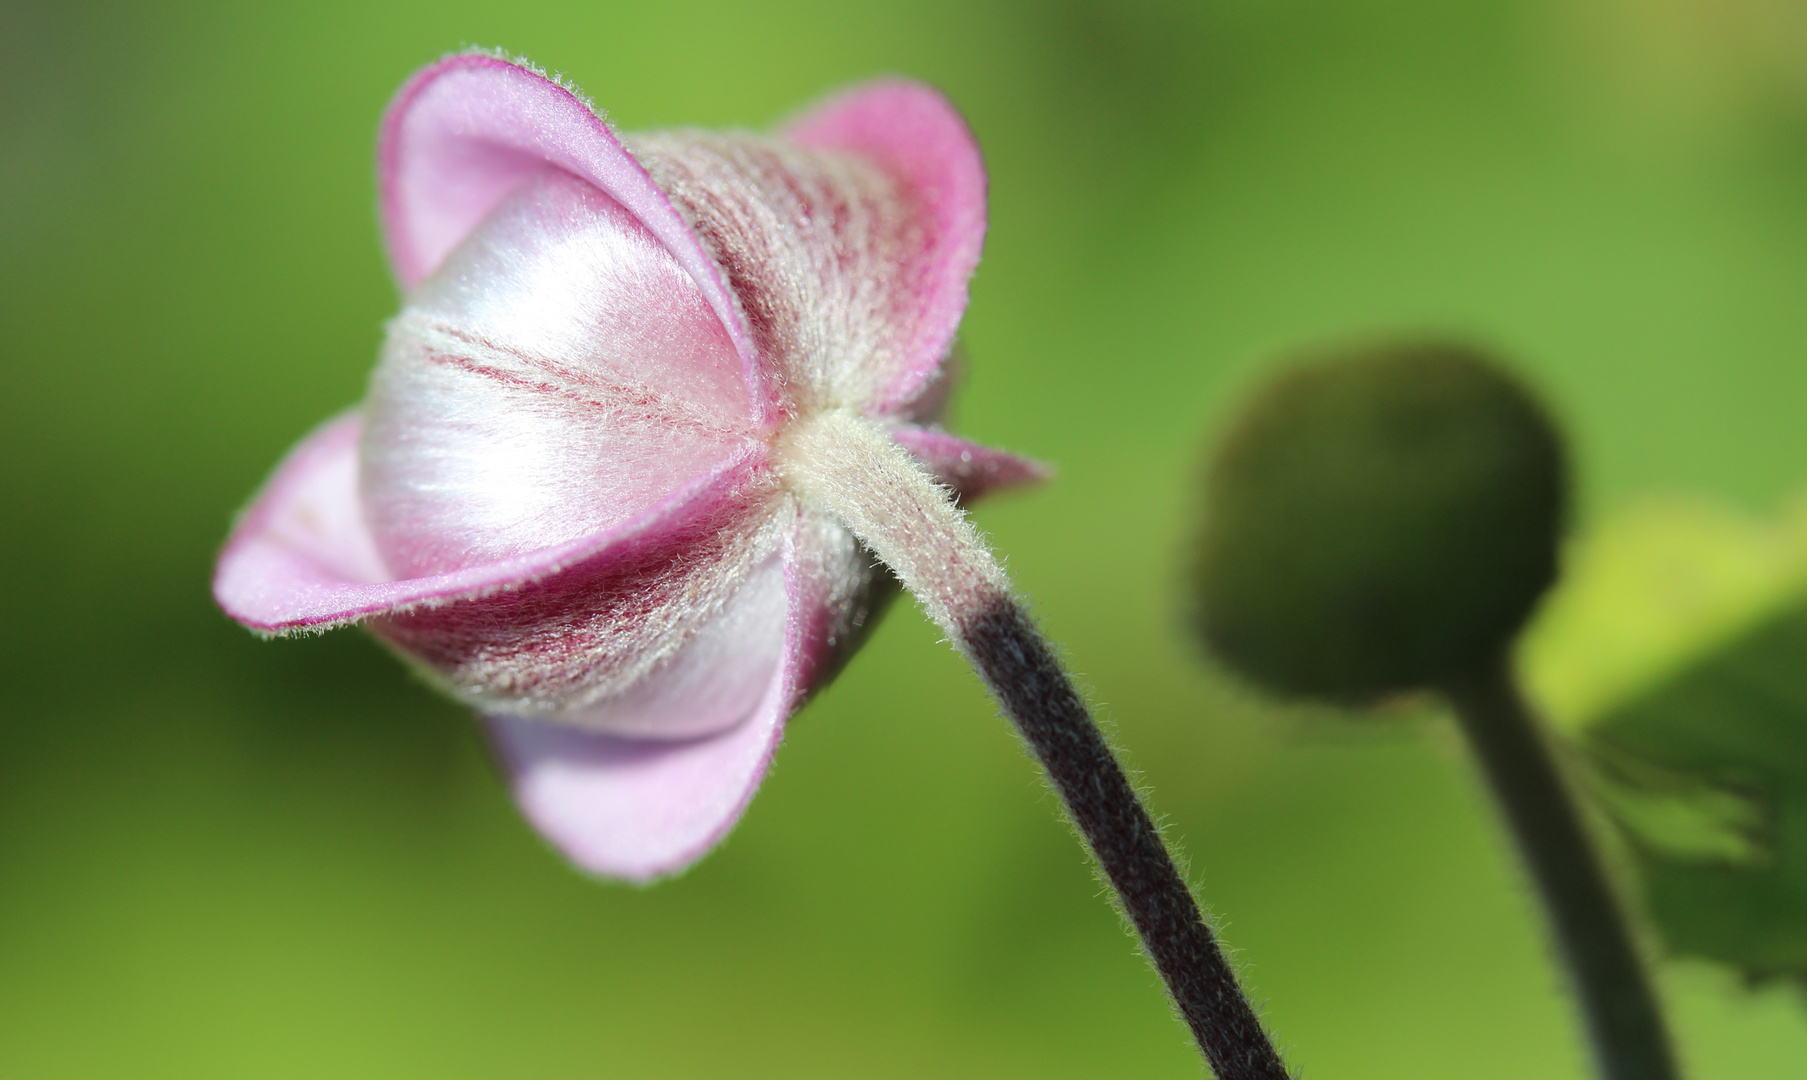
<point x="584" y="494"/>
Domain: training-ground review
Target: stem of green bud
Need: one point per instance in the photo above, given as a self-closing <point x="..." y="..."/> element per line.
<point x="1624" y="1022"/>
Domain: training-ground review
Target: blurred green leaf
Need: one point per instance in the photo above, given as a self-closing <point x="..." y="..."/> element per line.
<point x="1649" y="590"/>
<point x="1731" y="733"/>
<point x="1677" y="651"/>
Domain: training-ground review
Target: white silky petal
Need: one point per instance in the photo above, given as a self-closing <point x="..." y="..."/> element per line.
<point x="559" y="373"/>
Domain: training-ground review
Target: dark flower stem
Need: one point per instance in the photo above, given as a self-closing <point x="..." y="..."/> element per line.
<point x="851" y="469"/>
<point x="1624" y="1022"/>
<point x="1014" y="659"/>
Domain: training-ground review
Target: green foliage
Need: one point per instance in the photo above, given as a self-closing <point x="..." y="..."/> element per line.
<point x="1678" y="652"/>
<point x="1709" y="774"/>
<point x="1652" y="587"/>
<point x="1378" y="521"/>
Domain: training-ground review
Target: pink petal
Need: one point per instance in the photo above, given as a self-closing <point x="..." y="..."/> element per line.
<point x="641" y="808"/>
<point x="465" y="132"/>
<point x="968" y="468"/>
<point x="301" y="556"/>
<point x="912" y="132"/>
<point x="637" y="808"/>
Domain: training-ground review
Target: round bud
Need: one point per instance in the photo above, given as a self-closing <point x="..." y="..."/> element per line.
<point x="1378" y="520"/>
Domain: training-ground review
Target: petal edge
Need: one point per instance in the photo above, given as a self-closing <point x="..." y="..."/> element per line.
<point x="915" y="133"/>
<point x="970" y="469"/>
<point x="464" y="132"/>
<point x="637" y="809"/>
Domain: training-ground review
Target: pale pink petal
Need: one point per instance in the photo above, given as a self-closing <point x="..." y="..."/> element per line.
<point x="912" y="132"/>
<point x="467" y="131"/>
<point x="639" y="808"/>
<point x="301" y="557"/>
<point x="306" y="519"/>
<point x="968" y="468"/>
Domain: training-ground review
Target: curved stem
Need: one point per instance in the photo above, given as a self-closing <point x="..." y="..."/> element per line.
<point x="844" y="465"/>
<point x="1624" y="1022"/>
<point x="1015" y="661"/>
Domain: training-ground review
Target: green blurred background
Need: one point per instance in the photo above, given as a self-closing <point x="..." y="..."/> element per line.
<point x="221" y="857"/>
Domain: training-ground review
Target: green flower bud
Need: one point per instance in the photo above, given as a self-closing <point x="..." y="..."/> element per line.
<point x="1378" y="520"/>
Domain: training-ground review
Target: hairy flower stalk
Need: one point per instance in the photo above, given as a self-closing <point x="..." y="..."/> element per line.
<point x="650" y="406"/>
<point x="845" y="465"/>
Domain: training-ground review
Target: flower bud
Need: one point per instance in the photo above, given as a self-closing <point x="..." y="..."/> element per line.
<point x="564" y="500"/>
<point x="1377" y="520"/>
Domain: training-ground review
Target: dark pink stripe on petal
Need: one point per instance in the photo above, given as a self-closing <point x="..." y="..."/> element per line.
<point x="556" y="640"/>
<point x="914" y="133"/>
<point x="301" y="557"/>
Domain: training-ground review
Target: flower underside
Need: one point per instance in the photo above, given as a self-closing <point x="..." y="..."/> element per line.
<point x="643" y="407"/>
